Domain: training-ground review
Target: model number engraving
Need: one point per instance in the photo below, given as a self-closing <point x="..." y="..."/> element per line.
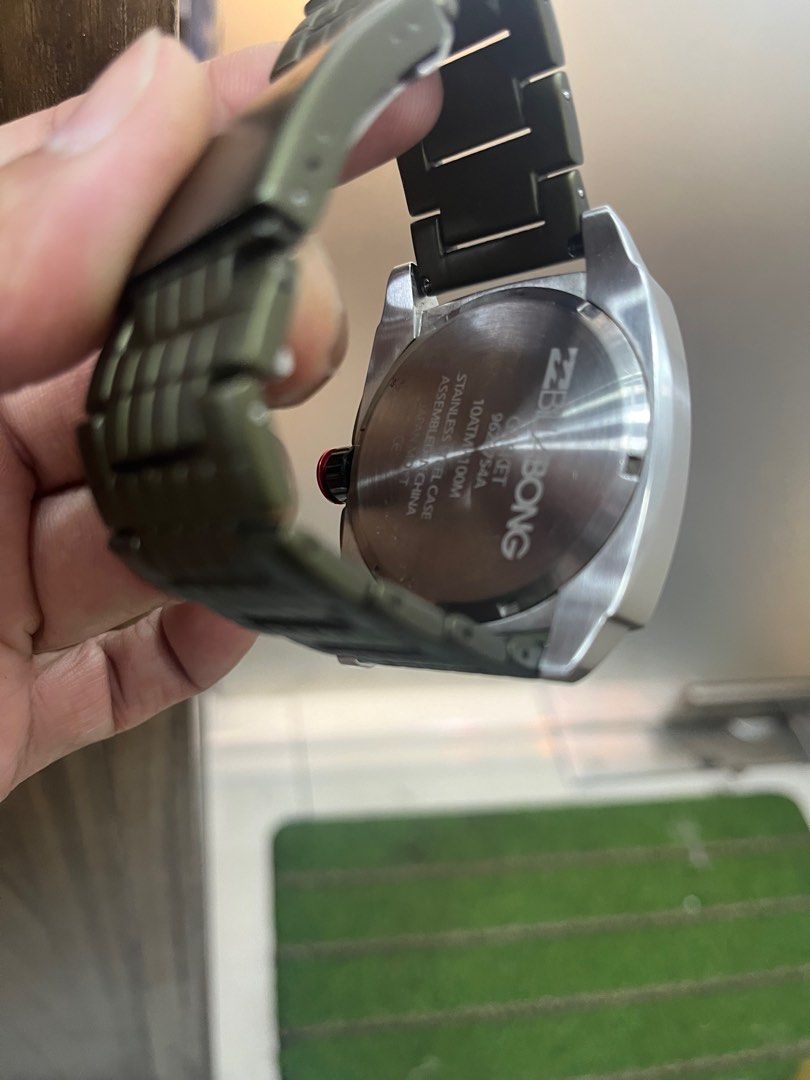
<point x="458" y="485"/>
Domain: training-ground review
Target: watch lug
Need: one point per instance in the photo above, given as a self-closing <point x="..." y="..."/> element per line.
<point x="617" y="280"/>
<point x="349" y="548"/>
<point x="401" y="323"/>
<point x="618" y="590"/>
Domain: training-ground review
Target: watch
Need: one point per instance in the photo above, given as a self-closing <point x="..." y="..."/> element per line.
<point x="516" y="477"/>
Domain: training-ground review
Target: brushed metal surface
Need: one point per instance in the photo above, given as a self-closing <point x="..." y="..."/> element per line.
<point x="621" y="586"/>
<point x="587" y="585"/>
<point x="497" y="456"/>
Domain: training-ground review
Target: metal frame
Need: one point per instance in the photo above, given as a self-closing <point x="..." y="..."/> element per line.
<point x="619" y="588"/>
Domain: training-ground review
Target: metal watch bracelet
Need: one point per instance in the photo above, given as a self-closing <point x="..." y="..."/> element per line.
<point x="178" y="447"/>
<point x="494" y="185"/>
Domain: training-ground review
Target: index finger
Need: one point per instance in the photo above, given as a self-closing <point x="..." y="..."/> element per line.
<point x="72" y="225"/>
<point x="236" y="80"/>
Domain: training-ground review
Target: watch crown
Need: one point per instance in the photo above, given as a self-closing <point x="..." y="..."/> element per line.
<point x="333" y="474"/>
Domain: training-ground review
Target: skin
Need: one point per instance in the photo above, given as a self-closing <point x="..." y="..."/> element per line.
<point x="88" y="650"/>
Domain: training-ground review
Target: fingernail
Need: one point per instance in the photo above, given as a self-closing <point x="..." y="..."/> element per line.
<point x="110" y="99"/>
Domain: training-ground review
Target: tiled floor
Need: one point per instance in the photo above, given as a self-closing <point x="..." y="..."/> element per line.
<point x="354" y="744"/>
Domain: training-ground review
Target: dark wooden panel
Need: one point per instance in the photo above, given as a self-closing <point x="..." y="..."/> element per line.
<point x="50" y="49"/>
<point x="101" y="914"/>
<point x="102" y="973"/>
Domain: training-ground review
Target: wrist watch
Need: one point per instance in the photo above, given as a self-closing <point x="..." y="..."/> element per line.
<point x="515" y="481"/>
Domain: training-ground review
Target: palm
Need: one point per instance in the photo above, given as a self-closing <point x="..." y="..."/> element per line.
<point x="66" y="678"/>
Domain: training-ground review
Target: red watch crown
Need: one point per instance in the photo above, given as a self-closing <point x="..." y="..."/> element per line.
<point x="334" y="473"/>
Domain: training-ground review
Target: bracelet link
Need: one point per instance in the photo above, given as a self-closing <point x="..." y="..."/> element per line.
<point x="182" y="380"/>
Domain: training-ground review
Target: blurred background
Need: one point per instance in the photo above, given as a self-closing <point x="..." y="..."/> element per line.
<point x="693" y="119"/>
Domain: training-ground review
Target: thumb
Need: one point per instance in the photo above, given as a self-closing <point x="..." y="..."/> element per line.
<point x="75" y="212"/>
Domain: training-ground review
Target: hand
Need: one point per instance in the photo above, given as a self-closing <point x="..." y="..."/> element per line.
<point x="86" y="648"/>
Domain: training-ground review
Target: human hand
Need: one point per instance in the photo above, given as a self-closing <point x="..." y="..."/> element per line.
<point x="86" y="648"/>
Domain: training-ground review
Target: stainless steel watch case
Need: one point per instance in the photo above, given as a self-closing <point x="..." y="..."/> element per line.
<point x="619" y="588"/>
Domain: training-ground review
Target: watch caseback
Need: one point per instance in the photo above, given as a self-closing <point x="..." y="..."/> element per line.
<point x="521" y="454"/>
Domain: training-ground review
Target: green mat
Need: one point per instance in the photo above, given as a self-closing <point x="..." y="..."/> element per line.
<point x="644" y="942"/>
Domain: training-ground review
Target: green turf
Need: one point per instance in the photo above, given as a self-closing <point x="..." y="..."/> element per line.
<point x="412" y="906"/>
<point x="561" y="1048"/>
<point x="392" y="841"/>
<point x="428" y="875"/>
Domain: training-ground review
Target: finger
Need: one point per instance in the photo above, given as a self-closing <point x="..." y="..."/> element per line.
<point x="235" y="81"/>
<point x="318" y="329"/>
<point x="408" y="118"/>
<point x="74" y="214"/>
<point x="239" y="78"/>
<point x="81" y="587"/>
<point x="27" y="134"/>
<point x="120" y="679"/>
<point x="43" y="417"/>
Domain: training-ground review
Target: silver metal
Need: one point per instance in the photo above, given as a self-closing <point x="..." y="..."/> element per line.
<point x="735" y="725"/>
<point x="739" y="743"/>
<point x="748" y="698"/>
<point x="406" y="308"/>
<point x="619" y="586"/>
<point x="408" y="311"/>
<point x="520" y="396"/>
<point x="729" y="726"/>
<point x="618" y="591"/>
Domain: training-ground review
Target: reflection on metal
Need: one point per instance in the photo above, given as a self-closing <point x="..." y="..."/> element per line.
<point x="729" y="726"/>
<point x="736" y="725"/>
<point x="491" y="417"/>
